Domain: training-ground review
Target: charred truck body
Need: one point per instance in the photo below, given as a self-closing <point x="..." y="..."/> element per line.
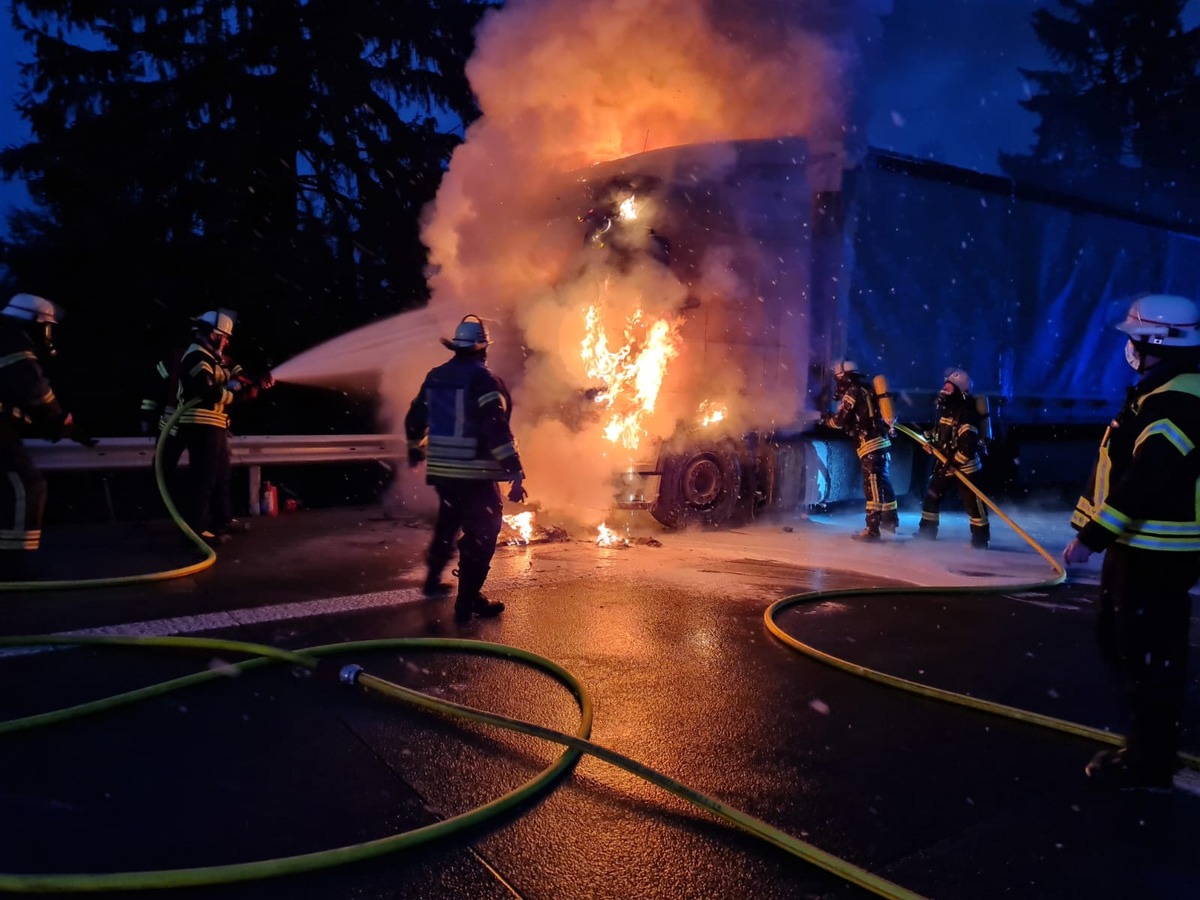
<point x="791" y="261"/>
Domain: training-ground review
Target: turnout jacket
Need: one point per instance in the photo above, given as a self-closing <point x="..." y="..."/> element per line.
<point x="857" y="414"/>
<point x="161" y="392"/>
<point x="956" y="432"/>
<point x="460" y="422"/>
<point x="204" y="377"/>
<point x="1144" y="489"/>
<point x="24" y="390"/>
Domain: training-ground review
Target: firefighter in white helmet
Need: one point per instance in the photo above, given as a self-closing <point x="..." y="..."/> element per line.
<point x="955" y="435"/>
<point x="459" y="425"/>
<point x="858" y="414"/>
<point x="27" y="401"/>
<point x="1140" y="510"/>
<point x="207" y="375"/>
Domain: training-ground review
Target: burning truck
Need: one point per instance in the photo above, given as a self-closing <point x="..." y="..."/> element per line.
<point x="779" y="259"/>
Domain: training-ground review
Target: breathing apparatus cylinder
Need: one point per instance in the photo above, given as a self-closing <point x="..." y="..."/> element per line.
<point x="887" y="409"/>
<point x="985" y="416"/>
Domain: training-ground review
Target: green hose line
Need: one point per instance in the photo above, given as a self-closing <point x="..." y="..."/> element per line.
<point x="924" y="690"/>
<point x="1061" y="573"/>
<point x="308" y="862"/>
<point x="574" y="744"/>
<point x="210" y="555"/>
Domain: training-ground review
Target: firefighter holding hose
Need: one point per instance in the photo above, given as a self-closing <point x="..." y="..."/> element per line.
<point x="863" y="413"/>
<point x="956" y="435"/>
<point x="458" y="424"/>
<point x="27" y="401"/>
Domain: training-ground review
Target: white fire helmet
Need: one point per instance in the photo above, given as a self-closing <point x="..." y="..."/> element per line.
<point x="31" y="308"/>
<point x="471" y="334"/>
<point x="215" y="320"/>
<point x="844" y="367"/>
<point x="959" y="378"/>
<point x="1163" y="320"/>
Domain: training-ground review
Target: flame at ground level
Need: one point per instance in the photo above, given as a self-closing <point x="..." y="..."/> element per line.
<point x="521" y="525"/>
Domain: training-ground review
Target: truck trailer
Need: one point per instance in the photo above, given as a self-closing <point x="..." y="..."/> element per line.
<point x="793" y="259"/>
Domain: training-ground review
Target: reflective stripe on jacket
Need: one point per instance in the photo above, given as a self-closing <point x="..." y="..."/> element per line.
<point x="858" y="415"/>
<point x="23" y="384"/>
<point x="202" y="377"/>
<point x="1144" y="490"/>
<point x="956" y="434"/>
<point x="460" y="418"/>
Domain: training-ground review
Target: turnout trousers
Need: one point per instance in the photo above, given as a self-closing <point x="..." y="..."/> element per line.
<point x="1143" y="611"/>
<point x="22" y="494"/>
<point x="208" y="506"/>
<point x="877" y="488"/>
<point x="931" y="505"/>
<point x="474" y="510"/>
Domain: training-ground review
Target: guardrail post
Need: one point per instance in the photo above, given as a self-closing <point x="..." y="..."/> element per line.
<point x="255" y="484"/>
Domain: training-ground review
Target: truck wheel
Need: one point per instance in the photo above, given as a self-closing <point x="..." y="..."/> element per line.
<point x="701" y="487"/>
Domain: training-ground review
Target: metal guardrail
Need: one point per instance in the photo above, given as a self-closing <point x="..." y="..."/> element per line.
<point x="249" y="450"/>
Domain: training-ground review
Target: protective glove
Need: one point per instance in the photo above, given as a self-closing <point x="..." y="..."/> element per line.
<point x="518" y="494"/>
<point x="1076" y="553"/>
<point x="69" y="430"/>
<point x="265" y="382"/>
<point x="416" y="456"/>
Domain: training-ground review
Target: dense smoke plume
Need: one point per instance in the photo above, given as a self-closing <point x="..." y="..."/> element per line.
<point x="567" y="84"/>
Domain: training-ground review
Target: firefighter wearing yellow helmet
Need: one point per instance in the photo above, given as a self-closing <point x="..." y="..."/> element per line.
<point x="459" y="425"/>
<point x="862" y="415"/>
<point x="27" y="401"/>
<point x="207" y="377"/>
<point x="1140" y="510"/>
<point x="956" y="436"/>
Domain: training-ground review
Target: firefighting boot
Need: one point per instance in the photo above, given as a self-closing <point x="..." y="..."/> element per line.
<point x="980" y="537"/>
<point x="434" y="588"/>
<point x="867" y="534"/>
<point x="926" y="531"/>
<point x="891" y="522"/>
<point x="470" y="602"/>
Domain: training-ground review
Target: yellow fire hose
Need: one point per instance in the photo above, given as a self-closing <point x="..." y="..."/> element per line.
<point x="353" y="675"/>
<point x="210" y="555"/>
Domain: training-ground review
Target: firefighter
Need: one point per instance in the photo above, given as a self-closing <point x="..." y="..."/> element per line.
<point x="26" y="399"/>
<point x="207" y="375"/>
<point x="858" y="414"/>
<point x="956" y="436"/>
<point x="458" y="424"/>
<point x="1140" y="511"/>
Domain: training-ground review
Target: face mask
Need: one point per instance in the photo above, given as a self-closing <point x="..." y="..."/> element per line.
<point x="1133" y="357"/>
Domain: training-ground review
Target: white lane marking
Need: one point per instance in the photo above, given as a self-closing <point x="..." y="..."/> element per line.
<point x="233" y="618"/>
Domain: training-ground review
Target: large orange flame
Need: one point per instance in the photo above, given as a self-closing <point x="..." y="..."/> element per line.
<point x="632" y="374"/>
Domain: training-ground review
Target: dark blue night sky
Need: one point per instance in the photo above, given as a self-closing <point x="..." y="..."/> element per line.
<point x="945" y="84"/>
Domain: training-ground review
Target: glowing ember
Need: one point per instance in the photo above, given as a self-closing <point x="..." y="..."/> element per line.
<point x="627" y="209"/>
<point x="522" y="526"/>
<point x="632" y="374"/>
<point x="606" y="537"/>
<point x="712" y="413"/>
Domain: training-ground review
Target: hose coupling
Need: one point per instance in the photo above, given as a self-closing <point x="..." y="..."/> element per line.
<point x="349" y="674"/>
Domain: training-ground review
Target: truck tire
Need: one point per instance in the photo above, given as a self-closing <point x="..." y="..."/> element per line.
<point x="700" y="488"/>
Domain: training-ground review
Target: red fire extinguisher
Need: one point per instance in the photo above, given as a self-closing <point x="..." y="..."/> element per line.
<point x="268" y="499"/>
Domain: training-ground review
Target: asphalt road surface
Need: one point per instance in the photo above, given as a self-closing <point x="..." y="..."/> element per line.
<point x="667" y="635"/>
